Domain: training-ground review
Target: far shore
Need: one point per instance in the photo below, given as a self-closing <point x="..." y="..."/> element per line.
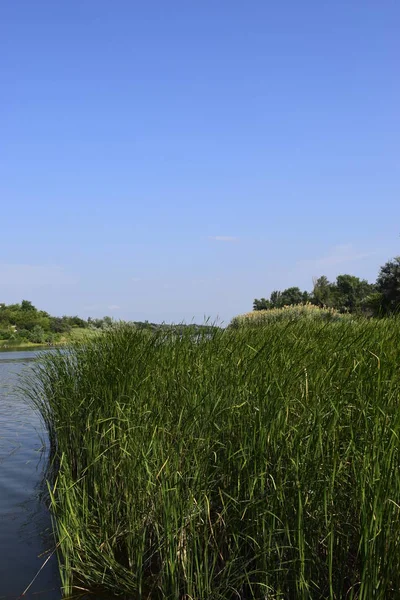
<point x="27" y="346"/>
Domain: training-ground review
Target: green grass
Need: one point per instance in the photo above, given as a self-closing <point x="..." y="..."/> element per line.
<point x="80" y="334"/>
<point x="252" y="463"/>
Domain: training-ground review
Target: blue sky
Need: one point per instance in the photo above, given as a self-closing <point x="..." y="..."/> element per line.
<point x="175" y="160"/>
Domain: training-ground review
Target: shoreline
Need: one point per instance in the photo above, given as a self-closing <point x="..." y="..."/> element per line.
<point x="10" y="347"/>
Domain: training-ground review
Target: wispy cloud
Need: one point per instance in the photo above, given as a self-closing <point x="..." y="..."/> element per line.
<point x="223" y="238"/>
<point x="34" y="275"/>
<point x="113" y="307"/>
<point x="344" y="253"/>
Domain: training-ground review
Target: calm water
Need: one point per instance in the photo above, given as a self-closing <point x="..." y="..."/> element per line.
<point x="25" y="528"/>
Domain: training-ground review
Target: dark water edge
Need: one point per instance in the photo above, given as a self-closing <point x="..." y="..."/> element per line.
<point x="26" y="539"/>
<point x="21" y="348"/>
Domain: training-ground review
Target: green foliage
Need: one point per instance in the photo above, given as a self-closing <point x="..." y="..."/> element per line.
<point x="60" y="325"/>
<point x="288" y="297"/>
<point x="308" y="312"/>
<point x="25" y="323"/>
<point x="347" y="294"/>
<point x="261" y="304"/>
<point x="291" y="296"/>
<point x="350" y="293"/>
<point x="77" y="322"/>
<point x="239" y="464"/>
<point x="388" y="285"/>
<point x="23" y="316"/>
<point x="23" y="334"/>
<point x="373" y="304"/>
<point x="27" y="305"/>
<point x="104" y="323"/>
<point x="322" y="294"/>
<point x="37" y="335"/>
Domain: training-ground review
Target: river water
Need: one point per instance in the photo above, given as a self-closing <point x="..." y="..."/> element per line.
<point x="25" y="528"/>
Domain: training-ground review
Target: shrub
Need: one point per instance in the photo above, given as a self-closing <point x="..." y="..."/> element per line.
<point x="37" y="335"/>
<point x="23" y="334"/>
<point x="288" y="313"/>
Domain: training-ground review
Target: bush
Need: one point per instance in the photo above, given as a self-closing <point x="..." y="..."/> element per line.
<point x="23" y="334"/>
<point x="37" y="335"/>
<point x="297" y="312"/>
<point x="59" y="325"/>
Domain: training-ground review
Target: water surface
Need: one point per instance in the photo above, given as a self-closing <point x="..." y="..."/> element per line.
<point x="25" y="528"/>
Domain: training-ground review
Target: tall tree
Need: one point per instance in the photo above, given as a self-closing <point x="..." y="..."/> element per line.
<point x="292" y="295"/>
<point x="27" y="305"/>
<point x="351" y="292"/>
<point x="261" y="304"/>
<point x="388" y="285"/>
<point x="275" y="299"/>
<point x="278" y="299"/>
<point x="323" y="292"/>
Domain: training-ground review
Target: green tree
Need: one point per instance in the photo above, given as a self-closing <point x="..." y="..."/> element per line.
<point x="323" y="292"/>
<point x="59" y="325"/>
<point x="37" y="335"/>
<point x="388" y="285"/>
<point x="373" y="306"/>
<point x="351" y="292"/>
<point x="261" y="304"/>
<point x="77" y="321"/>
<point x="27" y="305"/>
<point x="292" y="295"/>
<point x="107" y="322"/>
<point x="275" y="299"/>
<point x="278" y="299"/>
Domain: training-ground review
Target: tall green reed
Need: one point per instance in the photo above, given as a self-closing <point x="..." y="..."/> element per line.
<point x="252" y="463"/>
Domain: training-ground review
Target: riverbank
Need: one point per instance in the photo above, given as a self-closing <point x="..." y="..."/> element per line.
<point x="75" y="335"/>
<point x="234" y="465"/>
<point x="11" y="345"/>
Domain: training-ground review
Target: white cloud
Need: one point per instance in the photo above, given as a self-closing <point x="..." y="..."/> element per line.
<point x="136" y="279"/>
<point x="113" y="307"/>
<point x="34" y="275"/>
<point x="223" y="238"/>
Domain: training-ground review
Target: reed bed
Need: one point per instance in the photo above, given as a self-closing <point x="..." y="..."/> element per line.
<point x="252" y="463"/>
<point x="291" y="312"/>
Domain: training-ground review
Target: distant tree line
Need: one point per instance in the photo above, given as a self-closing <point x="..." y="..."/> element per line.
<point x="347" y="294"/>
<point x="23" y="322"/>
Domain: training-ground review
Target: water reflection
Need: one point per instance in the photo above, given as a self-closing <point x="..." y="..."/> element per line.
<point x="25" y="528"/>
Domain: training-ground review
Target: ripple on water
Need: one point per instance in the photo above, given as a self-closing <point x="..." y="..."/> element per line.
<point x="25" y="528"/>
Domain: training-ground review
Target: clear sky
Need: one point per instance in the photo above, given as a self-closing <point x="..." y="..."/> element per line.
<point x="170" y="160"/>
